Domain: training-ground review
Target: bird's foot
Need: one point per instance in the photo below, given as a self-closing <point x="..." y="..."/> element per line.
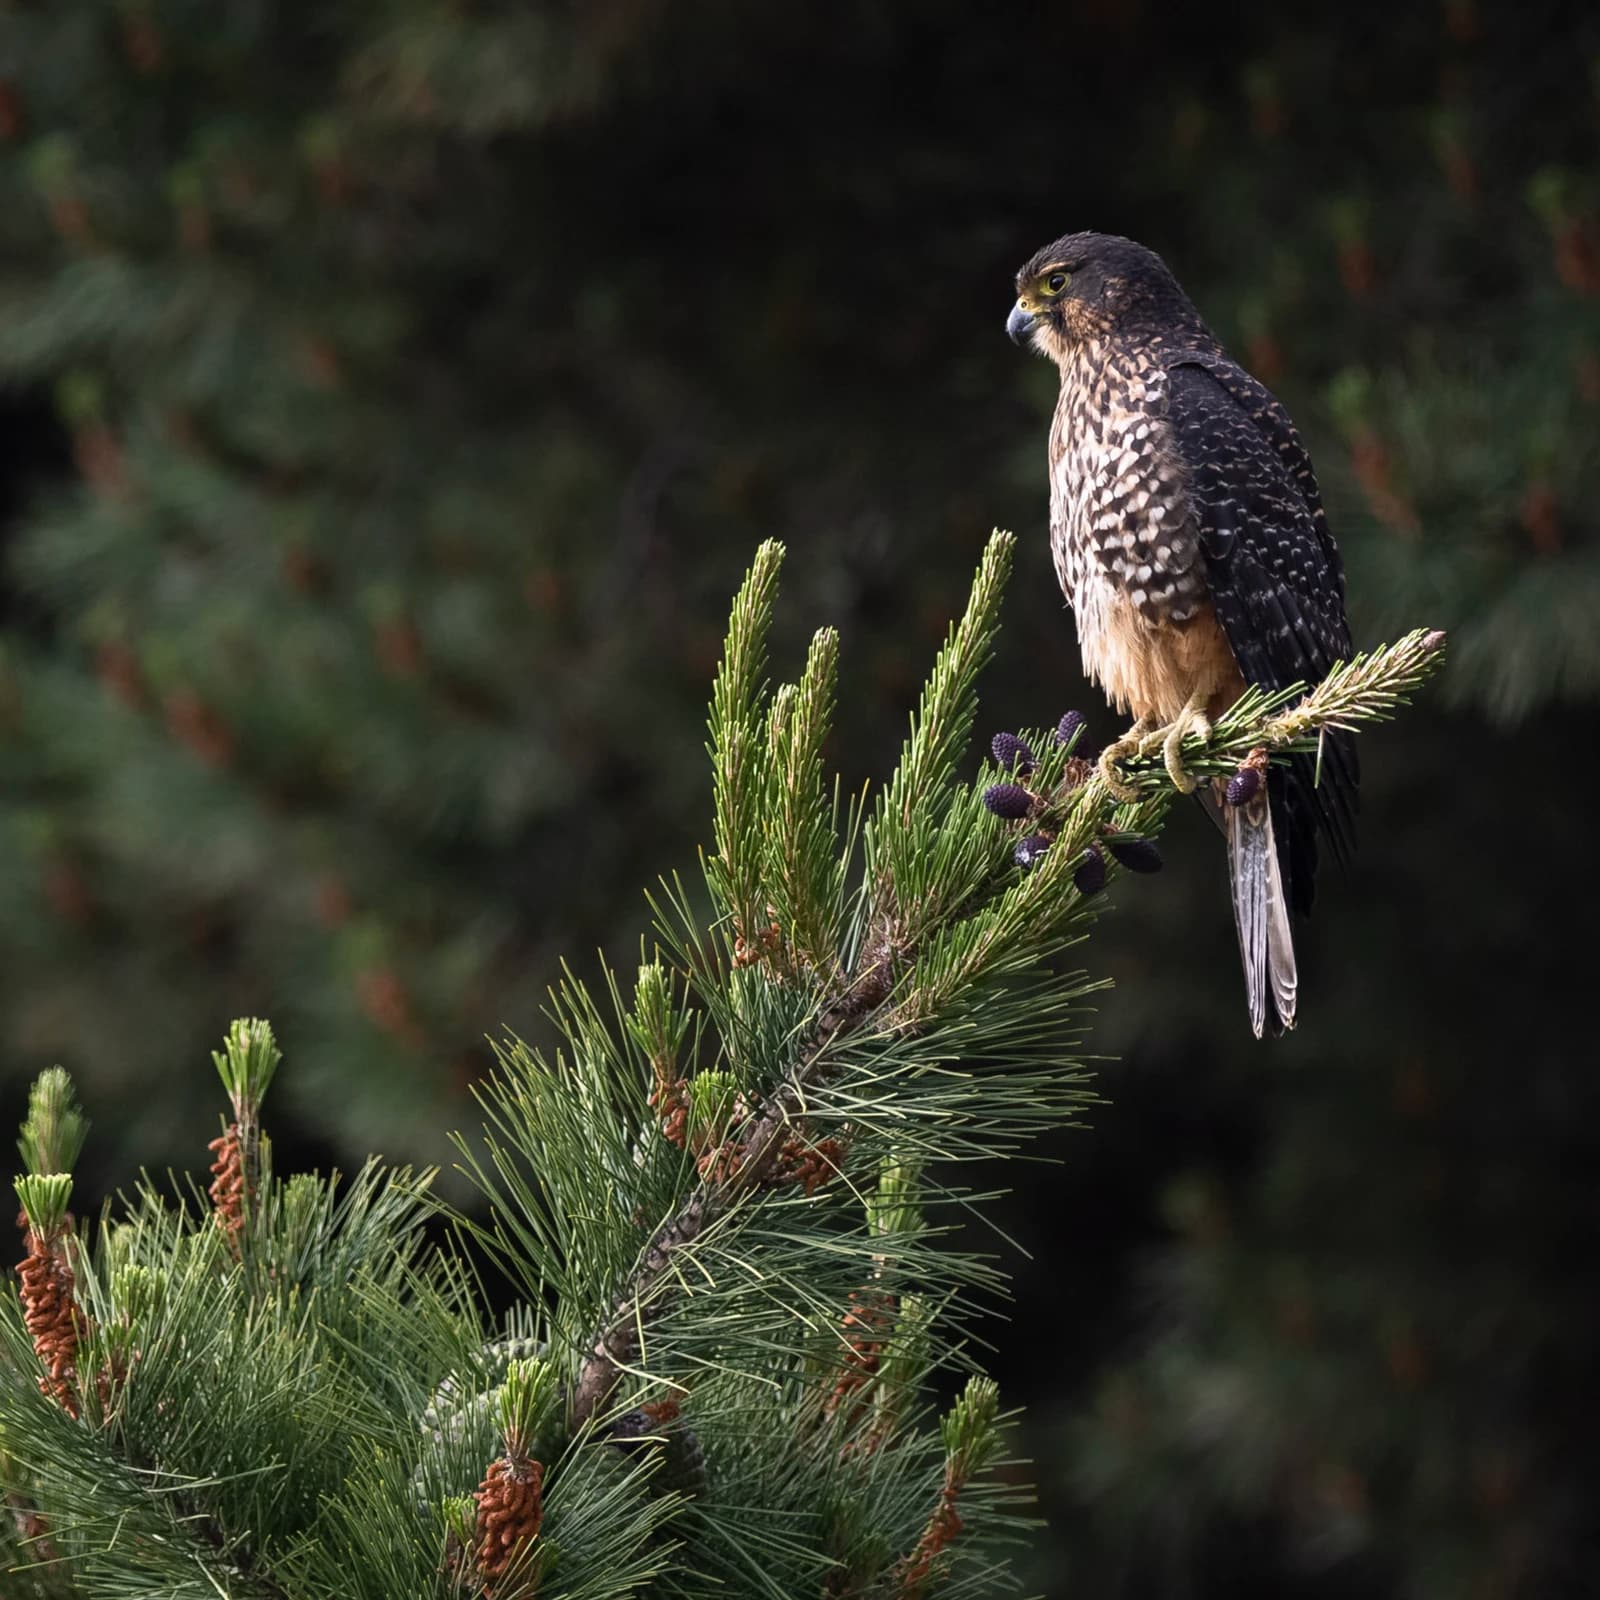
<point x="1169" y="741"/>
<point x="1130" y="744"/>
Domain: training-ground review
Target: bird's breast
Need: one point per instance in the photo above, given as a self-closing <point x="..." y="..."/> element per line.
<point x="1125" y="545"/>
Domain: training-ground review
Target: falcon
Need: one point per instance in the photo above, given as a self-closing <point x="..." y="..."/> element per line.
<point x="1191" y="543"/>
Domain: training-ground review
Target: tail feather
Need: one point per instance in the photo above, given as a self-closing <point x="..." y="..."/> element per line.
<point x="1261" y="914"/>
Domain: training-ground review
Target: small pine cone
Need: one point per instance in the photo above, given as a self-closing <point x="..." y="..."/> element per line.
<point x="1075" y="725"/>
<point x="722" y="1164"/>
<point x="1243" y="786"/>
<point x="762" y="946"/>
<point x="1137" y="855"/>
<point x="1008" y="800"/>
<point x="510" y="1513"/>
<point x="112" y="1378"/>
<point x="684" y="1468"/>
<point x="228" y="1186"/>
<point x="916" y="1570"/>
<point x="809" y="1165"/>
<point x="1089" y="876"/>
<point x="866" y="1325"/>
<point x="51" y="1316"/>
<point x="1030" y="849"/>
<point x="670" y="1102"/>
<point x="1012" y="753"/>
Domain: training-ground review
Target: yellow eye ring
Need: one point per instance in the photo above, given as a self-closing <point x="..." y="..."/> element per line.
<point x="1053" y="285"/>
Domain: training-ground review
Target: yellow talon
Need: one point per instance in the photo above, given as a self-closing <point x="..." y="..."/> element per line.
<point x="1169" y="740"/>
<point x="1130" y="744"/>
<point x="1145" y="738"/>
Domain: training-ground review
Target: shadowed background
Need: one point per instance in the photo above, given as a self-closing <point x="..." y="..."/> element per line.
<point x="391" y="396"/>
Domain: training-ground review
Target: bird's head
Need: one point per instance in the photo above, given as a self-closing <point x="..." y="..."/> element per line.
<point x="1093" y="286"/>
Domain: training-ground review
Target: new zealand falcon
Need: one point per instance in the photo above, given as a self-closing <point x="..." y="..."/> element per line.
<point x="1190" y="541"/>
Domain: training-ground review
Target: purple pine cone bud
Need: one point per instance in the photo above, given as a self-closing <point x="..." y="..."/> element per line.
<point x="1074" y="723"/>
<point x="1008" y="800"/>
<point x="1137" y="855"/>
<point x="1030" y="849"/>
<point x="1012" y="753"/>
<point x="1089" y="876"/>
<point x="1243" y="786"/>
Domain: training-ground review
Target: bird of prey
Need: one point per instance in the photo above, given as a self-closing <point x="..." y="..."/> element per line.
<point x="1191" y="544"/>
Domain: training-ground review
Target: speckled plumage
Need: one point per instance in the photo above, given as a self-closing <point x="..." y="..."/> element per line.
<point x="1126" y="552"/>
<point x="1185" y="520"/>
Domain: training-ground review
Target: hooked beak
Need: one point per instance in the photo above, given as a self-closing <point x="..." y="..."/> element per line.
<point x="1020" y="325"/>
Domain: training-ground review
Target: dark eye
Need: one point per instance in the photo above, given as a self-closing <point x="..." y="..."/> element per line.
<point x="1056" y="282"/>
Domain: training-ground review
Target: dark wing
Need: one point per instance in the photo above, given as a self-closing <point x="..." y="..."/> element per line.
<point x="1276" y="580"/>
<point x="1275" y="424"/>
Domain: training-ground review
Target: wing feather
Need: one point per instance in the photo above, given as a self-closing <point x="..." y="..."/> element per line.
<point x="1276" y="580"/>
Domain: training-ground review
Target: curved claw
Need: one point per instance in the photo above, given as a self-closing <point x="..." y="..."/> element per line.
<point x="1131" y="744"/>
<point x="1192" y="719"/>
<point x="1168" y="741"/>
<point x="1111" y="773"/>
<point x="1172" y="752"/>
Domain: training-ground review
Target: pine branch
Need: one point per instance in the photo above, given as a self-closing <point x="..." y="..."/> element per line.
<point x="896" y="837"/>
<point x="970" y="1434"/>
<point x="246" y="1064"/>
<point x="940" y="731"/>
<point x="738" y="770"/>
<point x="942" y="726"/>
<point x="916" y="969"/>
<point x="56" y="1127"/>
<point x="803" y="869"/>
<point x="1369" y="688"/>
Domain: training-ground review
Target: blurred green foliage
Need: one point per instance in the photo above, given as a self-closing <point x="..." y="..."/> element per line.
<point x="423" y="374"/>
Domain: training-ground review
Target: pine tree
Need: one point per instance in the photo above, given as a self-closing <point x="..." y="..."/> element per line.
<point x="724" y="1203"/>
<point x="425" y="366"/>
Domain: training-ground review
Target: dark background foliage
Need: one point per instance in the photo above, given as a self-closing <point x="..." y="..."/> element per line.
<point x="393" y="394"/>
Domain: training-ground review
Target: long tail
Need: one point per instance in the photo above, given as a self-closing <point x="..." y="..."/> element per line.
<point x="1261" y="914"/>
